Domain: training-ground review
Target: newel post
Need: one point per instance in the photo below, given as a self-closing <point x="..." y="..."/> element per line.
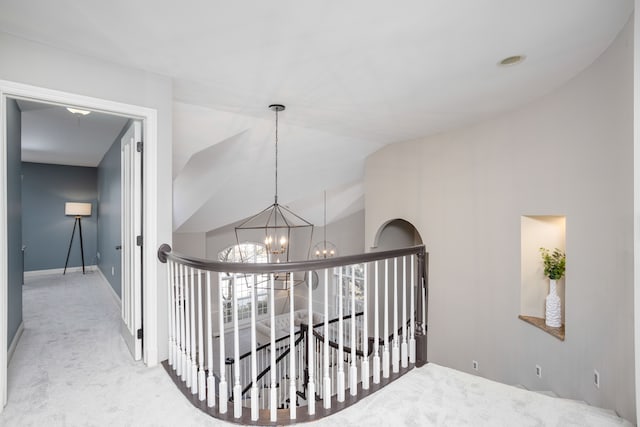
<point x="423" y="293"/>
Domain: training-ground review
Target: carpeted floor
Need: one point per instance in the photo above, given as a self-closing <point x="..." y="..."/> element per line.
<point x="72" y="368"/>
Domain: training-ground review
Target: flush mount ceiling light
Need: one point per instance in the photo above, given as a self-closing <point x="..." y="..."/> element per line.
<point x="277" y="226"/>
<point x="78" y="111"/>
<point x="511" y="60"/>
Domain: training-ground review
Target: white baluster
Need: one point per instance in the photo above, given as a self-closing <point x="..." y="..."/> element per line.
<point x="185" y="330"/>
<point x="385" y="338"/>
<point x="202" y="391"/>
<point x="170" y="306"/>
<point x="273" y="396"/>
<point x="178" y="356"/>
<point x="404" y="348"/>
<point x="255" y="405"/>
<point x="412" y="322"/>
<point x="237" y="387"/>
<point x="187" y="322"/>
<point x="395" y="349"/>
<point x="211" y="380"/>
<point x="365" y="332"/>
<point x="292" y="357"/>
<point x="326" y="386"/>
<point x="174" y="314"/>
<point x="376" y="328"/>
<point x="194" y="367"/>
<point x="353" y="371"/>
<point x="340" y="378"/>
<point x="311" y="386"/>
<point x="222" y="387"/>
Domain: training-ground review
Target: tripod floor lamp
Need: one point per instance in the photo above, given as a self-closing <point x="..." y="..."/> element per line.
<point x="78" y="210"/>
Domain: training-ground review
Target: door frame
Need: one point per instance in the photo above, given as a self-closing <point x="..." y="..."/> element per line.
<point x="149" y="118"/>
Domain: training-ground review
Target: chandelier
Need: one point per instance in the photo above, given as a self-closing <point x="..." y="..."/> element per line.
<point x="276" y="226"/>
<point x="325" y="249"/>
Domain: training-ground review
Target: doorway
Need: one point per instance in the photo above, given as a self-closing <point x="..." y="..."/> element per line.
<point x="148" y="125"/>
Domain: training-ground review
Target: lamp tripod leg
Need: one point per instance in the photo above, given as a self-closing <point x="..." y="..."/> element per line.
<point x="70" y="243"/>
<point x="81" y="247"/>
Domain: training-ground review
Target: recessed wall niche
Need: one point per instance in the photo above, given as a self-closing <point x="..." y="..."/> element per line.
<point x="536" y="231"/>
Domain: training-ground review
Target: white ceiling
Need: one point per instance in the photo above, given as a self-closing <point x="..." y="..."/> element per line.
<point x="51" y="134"/>
<point x="354" y="75"/>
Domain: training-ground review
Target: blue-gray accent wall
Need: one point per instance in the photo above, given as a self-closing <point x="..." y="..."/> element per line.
<point x="14" y="220"/>
<point x="109" y="215"/>
<point x="46" y="229"/>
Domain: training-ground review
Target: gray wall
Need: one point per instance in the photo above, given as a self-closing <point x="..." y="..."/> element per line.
<point x="192" y="244"/>
<point x="568" y="153"/>
<point x="14" y="220"/>
<point x="46" y="229"/>
<point x="109" y="215"/>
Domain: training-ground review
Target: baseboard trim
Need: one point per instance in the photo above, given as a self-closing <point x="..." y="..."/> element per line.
<point x="14" y="342"/>
<point x="53" y="271"/>
<point x="116" y="298"/>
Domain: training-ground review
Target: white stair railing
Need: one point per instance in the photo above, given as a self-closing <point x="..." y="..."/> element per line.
<point x="307" y="363"/>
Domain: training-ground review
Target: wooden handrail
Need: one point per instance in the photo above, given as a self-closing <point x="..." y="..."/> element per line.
<point x="165" y="252"/>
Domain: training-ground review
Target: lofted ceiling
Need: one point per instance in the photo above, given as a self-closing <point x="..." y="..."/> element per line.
<point x="354" y="75"/>
<point x="52" y="134"/>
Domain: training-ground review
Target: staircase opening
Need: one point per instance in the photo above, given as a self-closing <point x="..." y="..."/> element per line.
<point x="310" y="360"/>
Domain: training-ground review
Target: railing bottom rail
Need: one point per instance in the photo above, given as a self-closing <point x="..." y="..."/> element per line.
<point x="283" y="414"/>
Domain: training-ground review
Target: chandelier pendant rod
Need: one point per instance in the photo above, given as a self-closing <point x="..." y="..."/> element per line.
<point x="325" y="221"/>
<point x="276" y="196"/>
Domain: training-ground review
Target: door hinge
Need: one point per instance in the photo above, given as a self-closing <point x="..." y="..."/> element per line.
<point x="139" y="146"/>
<point x="138" y="240"/>
<point x="139" y="334"/>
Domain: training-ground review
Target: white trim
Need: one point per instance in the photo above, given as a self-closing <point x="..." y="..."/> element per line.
<point x="14" y="342"/>
<point x="636" y="203"/>
<point x="149" y="119"/>
<point x="112" y="292"/>
<point x="150" y="234"/>
<point x="57" y="271"/>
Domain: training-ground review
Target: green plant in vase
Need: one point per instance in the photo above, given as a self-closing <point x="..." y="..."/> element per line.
<point x="554" y="263"/>
<point x="554" y="267"/>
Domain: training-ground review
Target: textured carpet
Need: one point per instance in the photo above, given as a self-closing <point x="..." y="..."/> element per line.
<point x="72" y="368"/>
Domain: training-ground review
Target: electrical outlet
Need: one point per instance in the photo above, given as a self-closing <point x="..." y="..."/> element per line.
<point x="538" y="371"/>
<point x="98" y="255"/>
<point x="113" y="270"/>
<point x="475" y="365"/>
<point x="596" y="378"/>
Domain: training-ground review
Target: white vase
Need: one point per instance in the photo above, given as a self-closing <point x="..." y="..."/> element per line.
<point x="553" y="307"/>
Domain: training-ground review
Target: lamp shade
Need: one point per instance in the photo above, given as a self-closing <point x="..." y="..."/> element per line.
<point x="77" y="209"/>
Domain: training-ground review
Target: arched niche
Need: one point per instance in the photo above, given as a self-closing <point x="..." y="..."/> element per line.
<point x="397" y="233"/>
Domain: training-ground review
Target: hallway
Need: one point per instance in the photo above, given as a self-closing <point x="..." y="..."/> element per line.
<point x="72" y="368"/>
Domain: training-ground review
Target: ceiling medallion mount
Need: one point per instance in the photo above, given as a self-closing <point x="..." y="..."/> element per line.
<point x="78" y="111"/>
